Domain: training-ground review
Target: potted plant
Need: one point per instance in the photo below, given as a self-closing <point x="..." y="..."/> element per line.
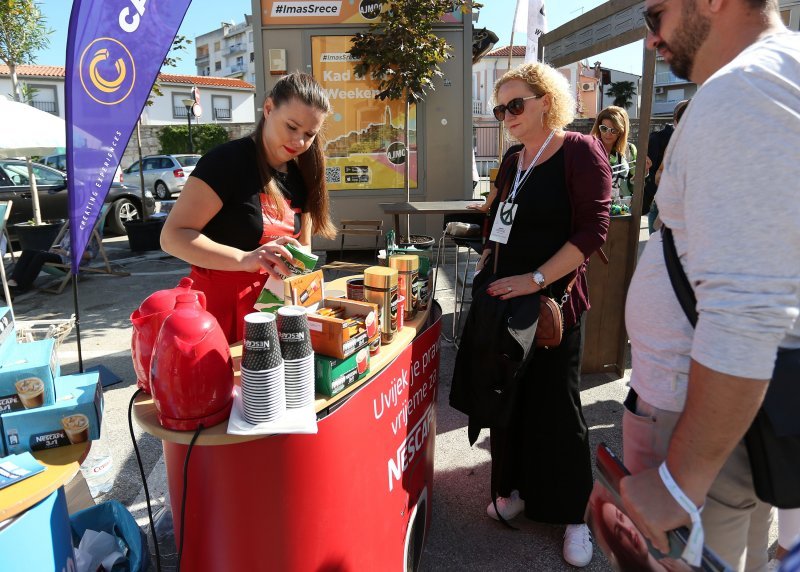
<point x="402" y="52"/>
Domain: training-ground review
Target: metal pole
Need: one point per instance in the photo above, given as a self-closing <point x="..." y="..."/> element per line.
<point x="189" y="118"/>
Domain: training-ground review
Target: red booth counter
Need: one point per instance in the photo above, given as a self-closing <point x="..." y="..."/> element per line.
<point x="355" y="496"/>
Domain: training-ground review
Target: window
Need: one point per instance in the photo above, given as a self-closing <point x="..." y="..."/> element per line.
<point x="47" y="177"/>
<point x="221" y="105"/>
<point x="178" y="108"/>
<point x="239" y="60"/>
<point x="216" y="46"/>
<point x="133" y="168"/>
<point x="217" y="66"/>
<point x="252" y="56"/>
<point x="202" y="51"/>
<point x="44" y="97"/>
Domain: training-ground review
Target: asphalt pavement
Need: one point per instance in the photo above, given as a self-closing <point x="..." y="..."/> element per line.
<point x="461" y="536"/>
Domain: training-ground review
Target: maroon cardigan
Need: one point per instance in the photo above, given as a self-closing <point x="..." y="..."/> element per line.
<point x="588" y="175"/>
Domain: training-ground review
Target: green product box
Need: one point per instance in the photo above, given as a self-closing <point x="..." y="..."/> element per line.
<point x="304" y="262"/>
<point x="332" y="375"/>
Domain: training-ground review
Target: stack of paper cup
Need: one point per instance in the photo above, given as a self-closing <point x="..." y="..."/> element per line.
<point x="298" y="356"/>
<point x="263" y="385"/>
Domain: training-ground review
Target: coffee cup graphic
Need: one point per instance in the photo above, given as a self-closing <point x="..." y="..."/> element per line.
<point x="76" y="427"/>
<point x="362" y="361"/>
<point x="31" y="392"/>
<point x="372" y="324"/>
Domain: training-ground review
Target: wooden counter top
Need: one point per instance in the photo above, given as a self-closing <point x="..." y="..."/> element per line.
<point x="144" y="410"/>
<point x="60" y="465"/>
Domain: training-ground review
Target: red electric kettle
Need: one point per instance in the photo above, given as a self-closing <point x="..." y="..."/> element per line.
<point x="191" y="372"/>
<point x="147" y="320"/>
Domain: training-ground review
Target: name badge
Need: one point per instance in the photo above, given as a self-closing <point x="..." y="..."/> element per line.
<point x="501" y="229"/>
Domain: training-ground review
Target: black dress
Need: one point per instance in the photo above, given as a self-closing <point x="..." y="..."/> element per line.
<point x="544" y="451"/>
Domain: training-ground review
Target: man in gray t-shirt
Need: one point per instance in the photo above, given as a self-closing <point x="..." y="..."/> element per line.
<point x="729" y="192"/>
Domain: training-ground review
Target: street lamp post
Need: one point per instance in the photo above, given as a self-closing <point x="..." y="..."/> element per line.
<point x="189" y="102"/>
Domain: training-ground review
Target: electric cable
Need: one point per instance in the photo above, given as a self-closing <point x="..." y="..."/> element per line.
<point x="144" y="478"/>
<point x="185" y="487"/>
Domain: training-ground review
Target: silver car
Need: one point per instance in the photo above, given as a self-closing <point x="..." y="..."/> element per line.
<point x="165" y="175"/>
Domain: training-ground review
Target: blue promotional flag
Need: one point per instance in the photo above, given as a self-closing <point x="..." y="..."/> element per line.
<point x="114" y="53"/>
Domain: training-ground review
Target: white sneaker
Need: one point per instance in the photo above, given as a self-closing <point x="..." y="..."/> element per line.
<point x="509" y="507"/>
<point x="578" y="545"/>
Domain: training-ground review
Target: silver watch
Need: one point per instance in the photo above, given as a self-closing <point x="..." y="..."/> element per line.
<point x="538" y="279"/>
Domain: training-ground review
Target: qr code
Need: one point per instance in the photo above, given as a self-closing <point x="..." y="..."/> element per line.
<point x="333" y="174"/>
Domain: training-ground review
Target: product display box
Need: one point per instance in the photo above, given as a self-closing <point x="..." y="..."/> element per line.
<point x="300" y="290"/>
<point x="75" y="417"/>
<point x="332" y="375"/>
<point x="27" y="371"/>
<point x="331" y="336"/>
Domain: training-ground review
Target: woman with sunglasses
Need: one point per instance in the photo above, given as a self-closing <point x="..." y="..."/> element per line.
<point x="553" y="195"/>
<point x="612" y="127"/>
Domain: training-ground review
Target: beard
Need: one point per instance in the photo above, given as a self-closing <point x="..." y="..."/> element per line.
<point x="690" y="35"/>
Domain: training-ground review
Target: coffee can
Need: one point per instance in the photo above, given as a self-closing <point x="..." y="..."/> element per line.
<point x="380" y="287"/>
<point x="355" y="289"/>
<point x="407" y="266"/>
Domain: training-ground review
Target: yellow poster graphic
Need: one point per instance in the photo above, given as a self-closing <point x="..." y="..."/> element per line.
<point x="365" y="144"/>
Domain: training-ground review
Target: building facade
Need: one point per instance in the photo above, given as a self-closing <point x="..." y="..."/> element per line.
<point x="227" y="51"/>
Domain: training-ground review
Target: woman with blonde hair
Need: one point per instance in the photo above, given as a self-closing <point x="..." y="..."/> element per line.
<point x="248" y="198"/>
<point x="612" y="127"/>
<point x="551" y="211"/>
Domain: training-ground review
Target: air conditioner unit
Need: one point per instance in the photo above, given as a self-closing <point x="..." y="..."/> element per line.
<point x="659" y="90"/>
<point x="587" y="86"/>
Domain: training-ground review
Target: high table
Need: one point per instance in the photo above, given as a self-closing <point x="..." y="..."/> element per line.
<point x="355" y="496"/>
<point x="426" y="208"/>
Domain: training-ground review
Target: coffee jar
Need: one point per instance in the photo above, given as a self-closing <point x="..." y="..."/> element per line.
<point x="380" y="287"/>
<point x="407" y="266"/>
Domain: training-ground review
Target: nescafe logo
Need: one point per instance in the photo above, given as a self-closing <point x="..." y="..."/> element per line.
<point x="370" y="9"/>
<point x="396" y="153"/>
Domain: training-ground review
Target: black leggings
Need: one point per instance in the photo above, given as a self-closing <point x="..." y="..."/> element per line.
<point x="29" y="265"/>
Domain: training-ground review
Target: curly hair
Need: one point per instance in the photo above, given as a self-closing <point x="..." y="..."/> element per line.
<point x="542" y="80"/>
<point x="619" y="119"/>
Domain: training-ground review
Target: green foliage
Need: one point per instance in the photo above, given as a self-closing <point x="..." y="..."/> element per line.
<point x="175" y="138"/>
<point x="22" y="34"/>
<point x="622" y="92"/>
<point x="401" y="51"/>
<point x="179" y="44"/>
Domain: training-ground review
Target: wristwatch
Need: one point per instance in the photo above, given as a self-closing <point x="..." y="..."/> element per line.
<point x="538" y="279"/>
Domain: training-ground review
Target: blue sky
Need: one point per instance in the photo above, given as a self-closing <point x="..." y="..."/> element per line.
<point x="206" y="15"/>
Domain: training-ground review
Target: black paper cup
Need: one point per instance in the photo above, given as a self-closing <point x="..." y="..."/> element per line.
<point x="295" y="339"/>
<point x="261" y="348"/>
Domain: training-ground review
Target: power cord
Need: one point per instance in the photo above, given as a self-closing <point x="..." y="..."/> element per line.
<point x="144" y="478"/>
<point x="185" y="487"/>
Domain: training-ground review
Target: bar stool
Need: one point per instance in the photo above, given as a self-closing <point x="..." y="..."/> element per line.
<point x="463" y="231"/>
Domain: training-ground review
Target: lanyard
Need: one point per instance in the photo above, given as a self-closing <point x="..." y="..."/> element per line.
<point x="521" y="177"/>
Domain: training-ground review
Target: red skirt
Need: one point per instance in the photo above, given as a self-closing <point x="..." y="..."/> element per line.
<point x="229" y="296"/>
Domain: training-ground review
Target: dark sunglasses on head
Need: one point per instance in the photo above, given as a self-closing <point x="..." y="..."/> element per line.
<point x="515" y="107"/>
<point x="652" y="20"/>
<point x="606" y="129"/>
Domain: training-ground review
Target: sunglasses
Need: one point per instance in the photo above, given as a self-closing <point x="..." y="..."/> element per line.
<point x="652" y="20"/>
<point x="515" y="107"/>
<point x="605" y="129"/>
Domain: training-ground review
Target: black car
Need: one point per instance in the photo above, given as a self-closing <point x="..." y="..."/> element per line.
<point x="125" y="200"/>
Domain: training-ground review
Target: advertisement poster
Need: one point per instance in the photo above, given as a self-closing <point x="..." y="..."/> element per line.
<point x="365" y="145"/>
<point x="292" y="12"/>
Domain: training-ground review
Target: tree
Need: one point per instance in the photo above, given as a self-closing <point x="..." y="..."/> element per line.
<point x="402" y="53"/>
<point x="622" y="92"/>
<point x="22" y="34"/>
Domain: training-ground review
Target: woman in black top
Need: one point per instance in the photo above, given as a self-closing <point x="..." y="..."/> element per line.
<point x="247" y="198"/>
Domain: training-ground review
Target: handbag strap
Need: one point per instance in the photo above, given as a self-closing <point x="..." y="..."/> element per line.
<point x="677" y="276"/>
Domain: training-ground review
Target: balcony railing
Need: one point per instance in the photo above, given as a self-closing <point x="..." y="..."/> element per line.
<point x="236" y="48"/>
<point x="180" y="111"/>
<point x="201" y="59"/>
<point x="222" y="113"/>
<point x="237" y="69"/>
<point x="48" y="106"/>
<point x="668" y="78"/>
<point x="477" y="107"/>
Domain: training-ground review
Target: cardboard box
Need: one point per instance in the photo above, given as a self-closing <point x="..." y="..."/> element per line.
<point x="330" y="338"/>
<point x="75" y="417"/>
<point x="300" y="290"/>
<point x="332" y="375"/>
<point x="27" y="372"/>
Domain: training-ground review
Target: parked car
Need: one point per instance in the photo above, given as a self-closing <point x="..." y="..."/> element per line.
<point x="164" y="175"/>
<point x="125" y="200"/>
<point x="59" y="161"/>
